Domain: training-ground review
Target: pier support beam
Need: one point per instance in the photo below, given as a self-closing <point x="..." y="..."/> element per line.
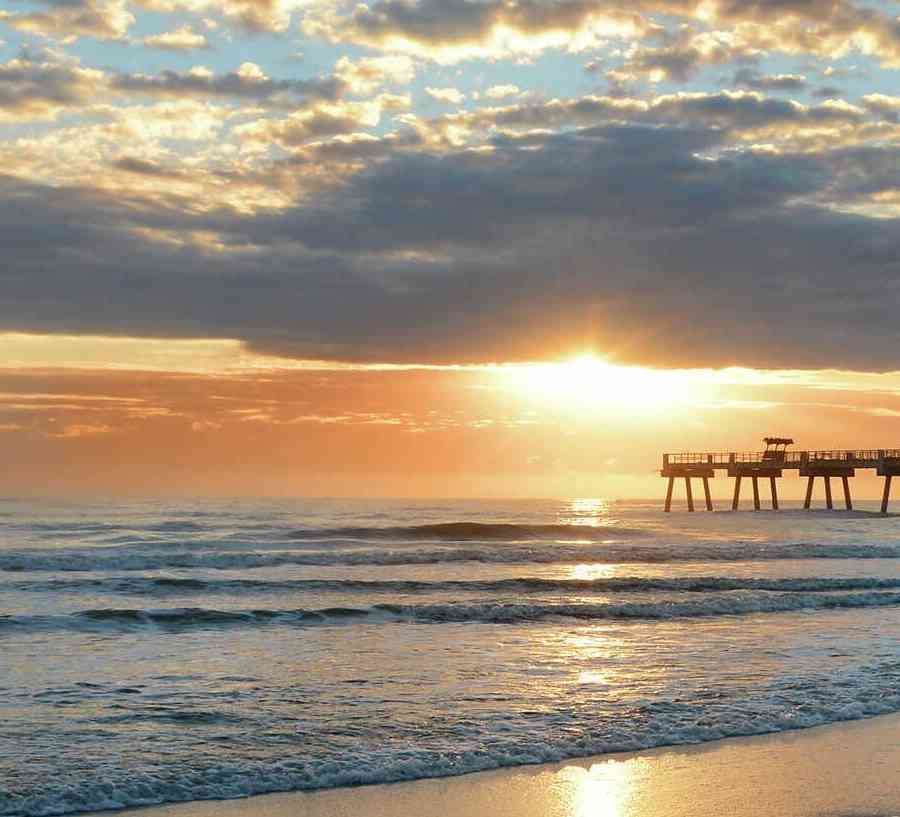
<point x="836" y="470"/>
<point x="672" y="471"/>
<point x="888" y="467"/>
<point x="754" y="472"/>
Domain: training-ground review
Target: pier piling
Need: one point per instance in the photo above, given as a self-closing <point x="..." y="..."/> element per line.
<point x="702" y="470"/>
<point x="690" y="494"/>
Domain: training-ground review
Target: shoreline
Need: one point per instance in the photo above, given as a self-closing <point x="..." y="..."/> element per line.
<point x="845" y="768"/>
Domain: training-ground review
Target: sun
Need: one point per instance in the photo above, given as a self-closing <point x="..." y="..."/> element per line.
<point x="593" y="383"/>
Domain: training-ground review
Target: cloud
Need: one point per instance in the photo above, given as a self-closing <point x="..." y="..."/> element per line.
<point x="827" y="92"/>
<point x="885" y="106"/>
<point x="78" y="430"/>
<point x="70" y="19"/>
<point x="451" y="30"/>
<point x="43" y="87"/>
<point x="183" y="38"/>
<point x="321" y="121"/>
<point x="746" y="114"/>
<point x="502" y="91"/>
<point x="450" y="96"/>
<point x="363" y="76"/>
<point x="657" y="242"/>
<point x="143" y="167"/>
<point x="111" y="19"/>
<point x="682" y="54"/>
<point x="749" y="78"/>
<point x="41" y="90"/>
<point x="248" y="83"/>
<point x="252" y="15"/>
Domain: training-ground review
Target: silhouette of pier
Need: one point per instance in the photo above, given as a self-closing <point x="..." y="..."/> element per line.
<point x="772" y="463"/>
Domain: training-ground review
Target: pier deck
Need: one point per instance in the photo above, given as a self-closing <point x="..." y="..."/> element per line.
<point x="771" y="465"/>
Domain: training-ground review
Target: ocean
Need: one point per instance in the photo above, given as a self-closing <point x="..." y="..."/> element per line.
<point x="155" y="652"/>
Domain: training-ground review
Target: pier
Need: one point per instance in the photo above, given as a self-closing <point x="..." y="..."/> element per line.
<point x="770" y="465"/>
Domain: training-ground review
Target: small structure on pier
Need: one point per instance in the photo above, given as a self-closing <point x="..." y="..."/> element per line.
<point x="772" y="463"/>
<point x="776" y="448"/>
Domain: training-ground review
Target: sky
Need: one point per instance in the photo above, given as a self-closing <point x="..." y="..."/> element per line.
<point x="442" y="247"/>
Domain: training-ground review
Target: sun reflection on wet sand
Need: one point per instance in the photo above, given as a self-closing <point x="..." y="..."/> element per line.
<point x="603" y="790"/>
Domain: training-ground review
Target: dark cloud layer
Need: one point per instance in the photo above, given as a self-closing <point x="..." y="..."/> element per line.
<point x="655" y="242"/>
<point x="235" y="85"/>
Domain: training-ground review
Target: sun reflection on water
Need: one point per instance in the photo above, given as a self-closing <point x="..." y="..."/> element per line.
<point x="587" y="572"/>
<point x="592" y="677"/>
<point x="591" y="512"/>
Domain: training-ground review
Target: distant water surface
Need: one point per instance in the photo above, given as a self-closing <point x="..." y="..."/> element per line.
<point x="157" y="652"/>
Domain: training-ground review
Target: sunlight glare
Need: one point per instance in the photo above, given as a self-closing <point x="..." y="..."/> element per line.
<point x="587" y="572"/>
<point x="604" y="790"/>
<point x="591" y="383"/>
<point x="585" y="512"/>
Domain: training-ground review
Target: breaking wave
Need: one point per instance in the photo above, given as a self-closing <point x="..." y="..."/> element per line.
<point x="125" y="559"/>
<point x="476" y="746"/>
<point x="453" y="612"/>
<point x="469" y="532"/>
<point x="173" y="585"/>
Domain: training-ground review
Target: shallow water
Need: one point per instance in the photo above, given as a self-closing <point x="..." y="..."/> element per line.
<point x="155" y="652"/>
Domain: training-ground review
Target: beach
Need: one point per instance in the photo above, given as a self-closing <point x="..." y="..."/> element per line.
<point x="840" y="769"/>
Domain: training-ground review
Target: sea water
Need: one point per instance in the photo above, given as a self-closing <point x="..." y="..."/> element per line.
<point x="156" y="652"/>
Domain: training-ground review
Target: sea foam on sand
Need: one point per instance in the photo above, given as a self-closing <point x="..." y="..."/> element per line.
<point x="841" y="770"/>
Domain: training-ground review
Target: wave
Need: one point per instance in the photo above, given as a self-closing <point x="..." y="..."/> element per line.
<point x="125" y="559"/>
<point x="69" y="527"/>
<point x="451" y="612"/>
<point x="173" y="585"/>
<point x="862" y="693"/>
<point x="469" y="532"/>
<point x="726" y="605"/>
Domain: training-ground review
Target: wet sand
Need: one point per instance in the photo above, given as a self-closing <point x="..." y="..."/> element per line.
<point x="844" y="770"/>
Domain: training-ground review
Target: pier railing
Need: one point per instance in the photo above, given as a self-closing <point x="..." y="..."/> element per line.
<point x="859" y="458"/>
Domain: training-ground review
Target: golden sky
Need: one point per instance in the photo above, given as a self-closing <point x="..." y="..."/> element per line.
<point x="453" y="247"/>
<point x="131" y="416"/>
